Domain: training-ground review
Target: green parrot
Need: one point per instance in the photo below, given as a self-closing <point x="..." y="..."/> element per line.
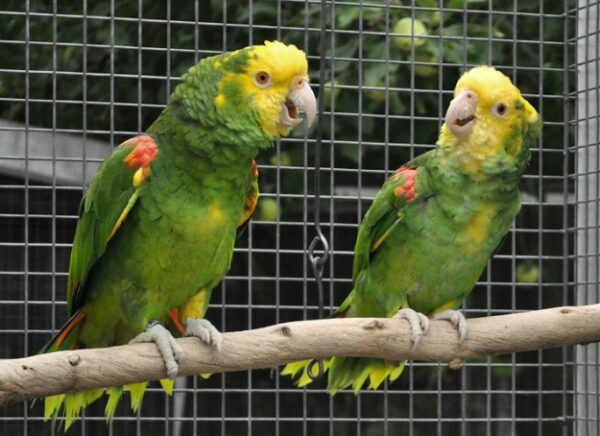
<point x="158" y="222"/>
<point x="436" y="222"/>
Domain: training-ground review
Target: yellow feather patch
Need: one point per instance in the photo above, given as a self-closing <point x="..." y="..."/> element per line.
<point x="477" y="230"/>
<point x="114" y="395"/>
<point x="52" y="405"/>
<point x="123" y="215"/>
<point x="215" y="213"/>
<point x="283" y="63"/>
<point x="220" y="100"/>
<point x="383" y="237"/>
<point x="361" y="379"/>
<point x="450" y="305"/>
<point x="195" y="307"/>
<point x="167" y="384"/>
<point x="384" y="370"/>
<point x="397" y="371"/>
<point x="73" y="405"/>
<point x="251" y="203"/>
<point x="136" y="392"/>
<point x="92" y="395"/>
<point x="378" y="374"/>
<point x="139" y="176"/>
<point x="491" y="133"/>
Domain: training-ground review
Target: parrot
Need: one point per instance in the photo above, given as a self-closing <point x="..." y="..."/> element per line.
<point x="431" y="229"/>
<point x="158" y="222"/>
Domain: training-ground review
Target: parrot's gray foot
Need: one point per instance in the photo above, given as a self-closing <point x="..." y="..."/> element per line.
<point x="167" y="346"/>
<point x="419" y="324"/>
<point x="457" y="319"/>
<point x="203" y="329"/>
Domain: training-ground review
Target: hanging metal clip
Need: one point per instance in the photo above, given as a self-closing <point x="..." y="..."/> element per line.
<point x="318" y="262"/>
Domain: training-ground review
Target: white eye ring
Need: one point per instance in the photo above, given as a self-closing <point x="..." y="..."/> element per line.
<point x="262" y="79"/>
<point x="500" y="109"/>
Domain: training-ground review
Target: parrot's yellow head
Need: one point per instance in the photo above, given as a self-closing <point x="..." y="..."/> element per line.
<point x="270" y="82"/>
<point x="489" y="126"/>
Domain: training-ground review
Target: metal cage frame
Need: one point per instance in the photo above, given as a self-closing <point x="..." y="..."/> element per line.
<point x="77" y="78"/>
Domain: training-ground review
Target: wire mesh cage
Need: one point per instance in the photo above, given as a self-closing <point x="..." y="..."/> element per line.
<point x="78" y="78"/>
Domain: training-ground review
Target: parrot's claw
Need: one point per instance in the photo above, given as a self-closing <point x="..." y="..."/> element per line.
<point x="203" y="329"/>
<point x="419" y="324"/>
<point x="457" y="319"/>
<point x="167" y="346"/>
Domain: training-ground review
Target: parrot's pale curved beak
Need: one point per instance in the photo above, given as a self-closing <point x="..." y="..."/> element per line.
<point x="300" y="99"/>
<point x="460" y="116"/>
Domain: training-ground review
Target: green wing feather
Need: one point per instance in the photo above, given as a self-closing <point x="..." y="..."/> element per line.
<point x="110" y="196"/>
<point x="251" y="201"/>
<point x="385" y="213"/>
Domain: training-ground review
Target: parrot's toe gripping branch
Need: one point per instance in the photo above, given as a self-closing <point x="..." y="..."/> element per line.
<point x="167" y="346"/>
<point x="457" y="319"/>
<point x="203" y="329"/>
<point x="419" y="324"/>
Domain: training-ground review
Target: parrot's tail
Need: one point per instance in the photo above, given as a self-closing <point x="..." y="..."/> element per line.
<point x="346" y="371"/>
<point x="66" y="338"/>
<point x="70" y="404"/>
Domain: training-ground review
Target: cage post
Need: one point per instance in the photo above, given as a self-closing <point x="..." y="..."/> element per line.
<point x="587" y="358"/>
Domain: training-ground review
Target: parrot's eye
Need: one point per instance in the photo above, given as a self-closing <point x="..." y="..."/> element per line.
<point x="500" y="110"/>
<point x="262" y="79"/>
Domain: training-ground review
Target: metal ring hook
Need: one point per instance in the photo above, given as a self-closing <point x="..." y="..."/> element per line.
<point x="320" y="370"/>
<point x="320" y="260"/>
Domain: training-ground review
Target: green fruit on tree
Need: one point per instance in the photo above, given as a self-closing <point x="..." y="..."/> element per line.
<point x="411" y="31"/>
<point x="283" y="160"/>
<point x="527" y="272"/>
<point x="267" y="209"/>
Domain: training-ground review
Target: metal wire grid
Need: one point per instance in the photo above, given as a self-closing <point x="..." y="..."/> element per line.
<point x="270" y="280"/>
<point x="588" y="139"/>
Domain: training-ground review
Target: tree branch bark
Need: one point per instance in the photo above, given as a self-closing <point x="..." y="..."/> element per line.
<point x="68" y="371"/>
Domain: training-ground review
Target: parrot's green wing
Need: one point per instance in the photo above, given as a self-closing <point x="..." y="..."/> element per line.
<point x="387" y="212"/>
<point x="251" y="202"/>
<point x="110" y="197"/>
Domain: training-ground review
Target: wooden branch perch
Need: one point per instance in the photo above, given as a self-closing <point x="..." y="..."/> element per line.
<point x="41" y="375"/>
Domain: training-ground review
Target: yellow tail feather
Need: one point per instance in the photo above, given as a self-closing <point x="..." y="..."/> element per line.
<point x="74" y="402"/>
<point x="346" y="372"/>
<point x="136" y="392"/>
<point x="73" y="405"/>
<point x="52" y="405"/>
<point x="114" y="395"/>
<point x="167" y="384"/>
<point x="384" y="370"/>
<point x="90" y="396"/>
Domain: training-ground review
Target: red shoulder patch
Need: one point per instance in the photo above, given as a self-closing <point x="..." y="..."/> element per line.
<point x="144" y="151"/>
<point x="408" y="187"/>
<point x="254" y="168"/>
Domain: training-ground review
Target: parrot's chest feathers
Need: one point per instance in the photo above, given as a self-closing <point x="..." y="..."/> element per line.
<point x="189" y="240"/>
<point x="476" y="229"/>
